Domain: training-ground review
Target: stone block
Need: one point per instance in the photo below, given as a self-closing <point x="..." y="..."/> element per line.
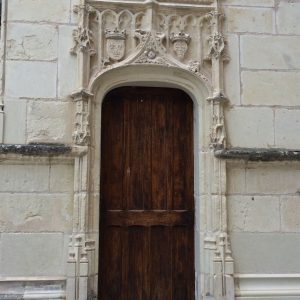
<point x="236" y="180"/>
<point x="31" y="42"/>
<point x="61" y="178"/>
<point x="31" y="79"/>
<point x="24" y="178"/>
<point x="270" y="52"/>
<point x="288" y="16"/>
<point x="265" y="253"/>
<point x="37" y="254"/>
<point x="39" y="10"/>
<point x="273" y="179"/>
<point x="270" y="88"/>
<point x="232" y="71"/>
<point x="15" y="121"/>
<point x="1" y="126"/>
<point x="49" y="121"/>
<point x="260" y="3"/>
<point x="36" y="212"/>
<point x="287" y="127"/>
<point x="290" y="212"/>
<point x="67" y="63"/>
<point x="254" y="213"/>
<point x="249" y="19"/>
<point x="250" y="127"/>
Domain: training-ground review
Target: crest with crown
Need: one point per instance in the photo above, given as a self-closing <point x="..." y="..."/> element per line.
<point x="115" y="34"/>
<point x="180" y="36"/>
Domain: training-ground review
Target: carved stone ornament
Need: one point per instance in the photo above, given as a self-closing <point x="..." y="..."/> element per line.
<point x="115" y="43"/>
<point x="177" y="34"/>
<point x="216" y="45"/>
<point x="180" y="42"/>
<point x="83" y="41"/>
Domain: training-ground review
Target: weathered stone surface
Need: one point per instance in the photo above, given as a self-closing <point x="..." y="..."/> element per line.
<point x="270" y="52"/>
<point x="15" y="110"/>
<point x="32" y="254"/>
<point x="67" y="63"/>
<point x="288" y="16"/>
<point x="39" y="10"/>
<point x="273" y="179"/>
<point x="275" y="88"/>
<point x="265" y="253"/>
<point x="232" y="71"/>
<point x="34" y="79"/>
<point x="290" y="211"/>
<point x="254" y="213"/>
<point x="25" y="178"/>
<point x="260" y="20"/>
<point x="255" y="127"/>
<point x="36" y="212"/>
<point x="260" y="3"/>
<point x="61" y="178"/>
<point x="31" y="42"/>
<point x="256" y="154"/>
<point x="49" y="121"/>
<point x="236" y="180"/>
<point x="35" y="149"/>
<point x="287" y="127"/>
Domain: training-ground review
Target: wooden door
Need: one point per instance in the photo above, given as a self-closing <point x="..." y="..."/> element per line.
<point x="147" y="202"/>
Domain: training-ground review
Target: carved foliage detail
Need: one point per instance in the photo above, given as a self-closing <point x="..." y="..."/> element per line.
<point x="83" y="41"/>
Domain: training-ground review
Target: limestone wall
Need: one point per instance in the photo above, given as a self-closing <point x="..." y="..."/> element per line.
<point x="262" y="81"/>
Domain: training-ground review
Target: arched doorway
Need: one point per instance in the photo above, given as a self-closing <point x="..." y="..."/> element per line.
<point x="147" y="195"/>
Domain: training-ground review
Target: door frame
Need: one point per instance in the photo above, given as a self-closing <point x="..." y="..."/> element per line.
<point x="156" y="76"/>
<point x="209" y="175"/>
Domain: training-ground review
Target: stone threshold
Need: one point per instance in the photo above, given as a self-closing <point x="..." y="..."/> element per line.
<point x="259" y="154"/>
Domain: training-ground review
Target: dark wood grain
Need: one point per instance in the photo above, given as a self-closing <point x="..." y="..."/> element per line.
<point x="147" y="204"/>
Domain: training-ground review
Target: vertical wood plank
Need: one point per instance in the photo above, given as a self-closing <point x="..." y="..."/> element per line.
<point x="159" y="155"/>
<point x="160" y="266"/>
<point x="112" y="153"/>
<point x="109" y="265"/>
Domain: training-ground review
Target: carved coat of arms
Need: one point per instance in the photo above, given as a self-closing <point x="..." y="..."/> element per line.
<point x="115" y="43"/>
<point x="180" y="42"/>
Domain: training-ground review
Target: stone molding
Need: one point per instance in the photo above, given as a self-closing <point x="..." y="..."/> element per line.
<point x="35" y="149"/>
<point x="32" y="288"/>
<point x="267" y="286"/>
<point x="259" y="154"/>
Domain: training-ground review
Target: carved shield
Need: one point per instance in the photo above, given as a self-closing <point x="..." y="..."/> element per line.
<point x="115" y="48"/>
<point x="180" y="48"/>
